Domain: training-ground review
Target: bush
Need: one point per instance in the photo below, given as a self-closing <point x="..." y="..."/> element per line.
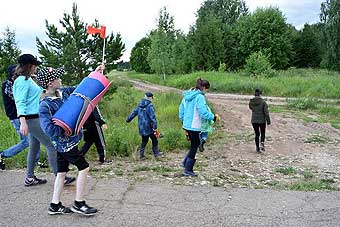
<point x="258" y="64"/>
<point x="222" y="68"/>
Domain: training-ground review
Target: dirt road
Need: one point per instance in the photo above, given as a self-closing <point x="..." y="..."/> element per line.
<point x="307" y="150"/>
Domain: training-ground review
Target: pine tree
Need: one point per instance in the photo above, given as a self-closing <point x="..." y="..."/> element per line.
<point x="9" y="51"/>
<point x="76" y="50"/>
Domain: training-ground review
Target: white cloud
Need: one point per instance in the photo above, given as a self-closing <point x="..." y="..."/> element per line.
<point x="133" y="19"/>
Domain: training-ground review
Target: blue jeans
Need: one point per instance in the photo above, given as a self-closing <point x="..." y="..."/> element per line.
<point x="37" y="136"/>
<point x="22" y="145"/>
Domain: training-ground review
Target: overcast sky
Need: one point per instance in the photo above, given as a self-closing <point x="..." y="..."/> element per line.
<point x="133" y="19"/>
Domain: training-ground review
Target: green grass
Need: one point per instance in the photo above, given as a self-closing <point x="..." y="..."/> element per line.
<point x="313" y="185"/>
<point x="289" y="83"/>
<point x="286" y="170"/>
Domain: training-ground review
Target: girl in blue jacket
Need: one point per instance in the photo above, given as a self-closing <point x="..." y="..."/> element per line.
<point x="192" y="110"/>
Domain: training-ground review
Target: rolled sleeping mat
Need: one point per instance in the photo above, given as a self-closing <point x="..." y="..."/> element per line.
<point x="77" y="108"/>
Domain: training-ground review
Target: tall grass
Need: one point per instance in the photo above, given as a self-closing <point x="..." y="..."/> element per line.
<point x="123" y="139"/>
<point x="288" y="83"/>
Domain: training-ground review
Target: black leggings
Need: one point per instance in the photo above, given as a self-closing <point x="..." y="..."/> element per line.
<point x="259" y="128"/>
<point x="195" y="142"/>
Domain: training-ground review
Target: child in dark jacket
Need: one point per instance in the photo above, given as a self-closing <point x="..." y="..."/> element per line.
<point x="93" y="134"/>
<point x="66" y="146"/>
<point x="147" y="124"/>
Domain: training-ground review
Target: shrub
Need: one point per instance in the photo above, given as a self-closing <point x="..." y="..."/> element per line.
<point x="258" y="64"/>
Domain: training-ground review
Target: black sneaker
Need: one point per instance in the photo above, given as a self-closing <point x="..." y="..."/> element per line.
<point x="83" y="208"/>
<point x="34" y="181"/>
<point x="2" y="162"/>
<point x="69" y="180"/>
<point x="58" y="209"/>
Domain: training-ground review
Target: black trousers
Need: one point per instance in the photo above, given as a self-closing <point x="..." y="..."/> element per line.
<point x="194" y="137"/>
<point x="94" y="135"/>
<point x="260" y="130"/>
<point x="145" y="140"/>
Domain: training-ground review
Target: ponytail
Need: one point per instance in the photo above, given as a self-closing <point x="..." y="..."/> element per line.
<point x="200" y="84"/>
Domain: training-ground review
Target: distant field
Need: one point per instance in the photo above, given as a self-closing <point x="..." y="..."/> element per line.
<point x="299" y="83"/>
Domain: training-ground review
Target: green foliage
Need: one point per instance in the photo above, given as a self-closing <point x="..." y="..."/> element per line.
<point x="9" y="51"/>
<point x="257" y="64"/>
<point x="76" y="50"/>
<point x="181" y="54"/>
<point x="229" y="11"/>
<point x="222" y="68"/>
<point x="313" y="186"/>
<point x="265" y="30"/>
<point x="207" y="43"/>
<point x="162" y="40"/>
<point x="330" y="18"/>
<point x="307" y="47"/>
<point x="286" y="170"/>
<point x="303" y="103"/>
<point x="139" y="55"/>
<point x="301" y="83"/>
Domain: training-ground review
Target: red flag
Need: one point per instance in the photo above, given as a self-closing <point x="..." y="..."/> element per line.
<point x="92" y="30"/>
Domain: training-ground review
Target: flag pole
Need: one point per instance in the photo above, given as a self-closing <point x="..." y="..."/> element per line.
<point x="103" y="58"/>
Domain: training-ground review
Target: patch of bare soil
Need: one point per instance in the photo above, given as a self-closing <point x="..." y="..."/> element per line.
<point x="230" y="159"/>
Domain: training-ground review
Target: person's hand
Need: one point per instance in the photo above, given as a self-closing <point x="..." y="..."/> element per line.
<point x="100" y="68"/>
<point x="24" y="128"/>
<point x="156" y="133"/>
<point x="104" y="126"/>
<point x="217" y="118"/>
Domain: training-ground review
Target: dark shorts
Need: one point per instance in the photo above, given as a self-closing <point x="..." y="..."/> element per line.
<point x="74" y="157"/>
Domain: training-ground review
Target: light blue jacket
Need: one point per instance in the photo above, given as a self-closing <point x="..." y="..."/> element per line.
<point x="193" y="109"/>
<point x="26" y="94"/>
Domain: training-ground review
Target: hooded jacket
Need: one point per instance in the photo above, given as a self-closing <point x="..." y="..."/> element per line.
<point x="48" y="107"/>
<point x="259" y="108"/>
<point x="193" y="109"/>
<point x="147" y="122"/>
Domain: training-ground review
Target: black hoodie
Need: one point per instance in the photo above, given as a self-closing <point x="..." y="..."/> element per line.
<point x="7" y="94"/>
<point x="259" y="108"/>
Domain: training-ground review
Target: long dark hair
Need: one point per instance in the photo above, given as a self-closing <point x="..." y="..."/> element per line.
<point x="200" y="84"/>
<point x="24" y="70"/>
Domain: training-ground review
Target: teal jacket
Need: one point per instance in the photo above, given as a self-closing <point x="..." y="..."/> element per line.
<point x="193" y="109"/>
<point x="26" y="94"/>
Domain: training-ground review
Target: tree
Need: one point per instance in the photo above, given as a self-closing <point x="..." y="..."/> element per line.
<point x="221" y="15"/>
<point x="74" y="49"/>
<point x="9" y="51"/>
<point x="162" y="40"/>
<point x="307" y="48"/>
<point x="330" y="18"/>
<point x="266" y="31"/>
<point x="229" y="11"/>
<point x="139" y="56"/>
<point x="207" y="38"/>
<point x="181" y="54"/>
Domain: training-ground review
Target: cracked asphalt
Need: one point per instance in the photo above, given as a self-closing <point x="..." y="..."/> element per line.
<point x="123" y="203"/>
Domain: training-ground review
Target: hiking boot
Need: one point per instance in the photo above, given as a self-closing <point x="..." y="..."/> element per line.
<point x="69" y="180"/>
<point x="262" y="146"/>
<point x="83" y="208"/>
<point x="31" y="181"/>
<point x="188" y="171"/>
<point x="201" y="146"/>
<point x="58" y="209"/>
<point x="2" y="162"/>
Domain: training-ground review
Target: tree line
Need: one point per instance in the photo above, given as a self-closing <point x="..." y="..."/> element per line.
<point x="226" y="36"/>
<point x="70" y="47"/>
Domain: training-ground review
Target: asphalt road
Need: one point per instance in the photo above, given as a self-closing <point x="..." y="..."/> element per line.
<point x="121" y="203"/>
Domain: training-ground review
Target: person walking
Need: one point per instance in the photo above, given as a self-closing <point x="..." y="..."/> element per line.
<point x="11" y="113"/>
<point x="27" y="96"/>
<point x="147" y="124"/>
<point x="259" y="118"/>
<point x="192" y="110"/>
<point x="93" y="134"/>
<point x="66" y="146"/>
